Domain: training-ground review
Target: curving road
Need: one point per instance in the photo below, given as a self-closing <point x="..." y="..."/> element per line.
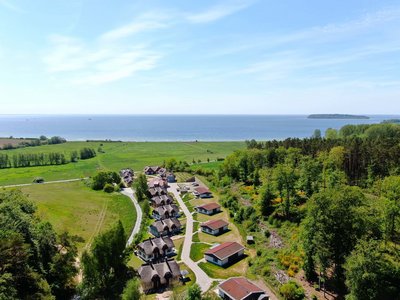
<point x="130" y="193"/>
<point x="202" y="279"/>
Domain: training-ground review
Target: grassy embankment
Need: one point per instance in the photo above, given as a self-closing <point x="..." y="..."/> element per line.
<point x="116" y="155"/>
<point x="75" y="208"/>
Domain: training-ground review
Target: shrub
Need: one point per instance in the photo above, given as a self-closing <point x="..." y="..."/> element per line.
<point x="266" y="271"/>
<point x="292" y="291"/>
<point x="38" y="180"/>
<point x="101" y="178"/>
<point x="108" y="188"/>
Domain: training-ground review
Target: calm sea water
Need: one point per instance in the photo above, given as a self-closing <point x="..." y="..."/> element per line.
<point x="169" y="127"/>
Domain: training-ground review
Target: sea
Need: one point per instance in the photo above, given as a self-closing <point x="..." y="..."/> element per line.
<point x="171" y="127"/>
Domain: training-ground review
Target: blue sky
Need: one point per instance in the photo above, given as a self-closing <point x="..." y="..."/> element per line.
<point x="195" y="57"/>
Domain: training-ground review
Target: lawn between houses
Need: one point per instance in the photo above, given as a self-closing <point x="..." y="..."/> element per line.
<point x="116" y="155"/>
<point x="74" y="207"/>
<point x="203" y="241"/>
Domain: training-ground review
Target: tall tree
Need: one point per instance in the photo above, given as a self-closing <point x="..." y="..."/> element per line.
<point x="141" y="187"/>
<point x="194" y="292"/>
<point x="285" y="179"/>
<point x="266" y="197"/>
<point x="370" y="274"/>
<point x="104" y="267"/>
<point x="332" y="227"/>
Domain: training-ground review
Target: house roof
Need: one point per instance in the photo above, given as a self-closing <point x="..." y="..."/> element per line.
<point x="157" y="182"/>
<point x="161" y="210"/>
<point x="151" y="168"/>
<point x="149" y="245"/>
<point x="148" y="271"/>
<point x="160" y="225"/>
<point x="209" y="206"/>
<point x="158" y="199"/>
<point x="215" y="224"/>
<point x="157" y="191"/>
<point x="239" y="288"/>
<point x="225" y="250"/>
<point x="202" y="190"/>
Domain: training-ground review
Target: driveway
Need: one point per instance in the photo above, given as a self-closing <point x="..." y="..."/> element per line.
<point x="139" y="214"/>
<point x="202" y="279"/>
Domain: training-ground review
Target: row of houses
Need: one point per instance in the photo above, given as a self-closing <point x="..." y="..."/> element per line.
<point x="165" y="211"/>
<point x="160" y="270"/>
<point x="161" y="172"/>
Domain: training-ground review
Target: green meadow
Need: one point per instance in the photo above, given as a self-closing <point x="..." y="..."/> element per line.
<point x="116" y="155"/>
<point x="76" y="208"/>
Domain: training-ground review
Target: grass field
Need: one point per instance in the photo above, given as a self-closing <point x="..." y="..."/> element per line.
<point x="12" y="141"/>
<point x="117" y="155"/>
<point x="214" y="271"/>
<point x="75" y="208"/>
<point x="197" y="251"/>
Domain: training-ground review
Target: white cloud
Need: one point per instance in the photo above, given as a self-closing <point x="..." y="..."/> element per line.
<point x="145" y="22"/>
<point x="97" y="62"/>
<point x="218" y="12"/>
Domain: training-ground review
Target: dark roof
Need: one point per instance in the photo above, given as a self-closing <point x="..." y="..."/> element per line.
<point x="239" y="288"/>
<point x="153" y="169"/>
<point x="149" y="245"/>
<point x="154" y="191"/>
<point x="148" y="271"/>
<point x="161" y="210"/>
<point x="225" y="250"/>
<point x="202" y="190"/>
<point x="160" y="225"/>
<point x="158" y="199"/>
<point x="209" y="206"/>
<point x="215" y="224"/>
<point x="157" y="182"/>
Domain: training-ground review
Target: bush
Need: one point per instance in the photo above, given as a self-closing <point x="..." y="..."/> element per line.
<point x="108" y="188"/>
<point x="87" y="153"/>
<point x="292" y="291"/>
<point x="38" y="180"/>
<point x="132" y="290"/>
<point x="266" y="271"/>
<point x="101" y="178"/>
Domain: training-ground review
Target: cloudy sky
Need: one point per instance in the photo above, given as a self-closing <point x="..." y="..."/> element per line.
<point x="199" y="57"/>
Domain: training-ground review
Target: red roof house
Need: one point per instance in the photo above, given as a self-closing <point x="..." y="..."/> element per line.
<point x="241" y="289"/>
<point x="214" y="227"/>
<point x="209" y="209"/>
<point x="224" y="254"/>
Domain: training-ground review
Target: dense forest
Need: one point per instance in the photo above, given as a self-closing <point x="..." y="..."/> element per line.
<point x="330" y="205"/>
<point x="35" y="262"/>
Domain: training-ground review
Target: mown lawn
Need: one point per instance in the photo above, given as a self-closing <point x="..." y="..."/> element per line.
<point x="197" y="251"/>
<point x="75" y="208"/>
<point x="117" y="155"/>
<point x="235" y="270"/>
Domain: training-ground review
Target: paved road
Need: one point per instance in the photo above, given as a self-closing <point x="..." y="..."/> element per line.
<point x="202" y="279"/>
<point x="46" y="182"/>
<point x="139" y="214"/>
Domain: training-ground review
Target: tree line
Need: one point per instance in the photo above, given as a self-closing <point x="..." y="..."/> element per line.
<point x="34" y="142"/>
<point x="21" y="160"/>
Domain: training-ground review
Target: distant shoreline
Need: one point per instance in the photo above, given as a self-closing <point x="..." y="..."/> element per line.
<point x="338" y="117"/>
